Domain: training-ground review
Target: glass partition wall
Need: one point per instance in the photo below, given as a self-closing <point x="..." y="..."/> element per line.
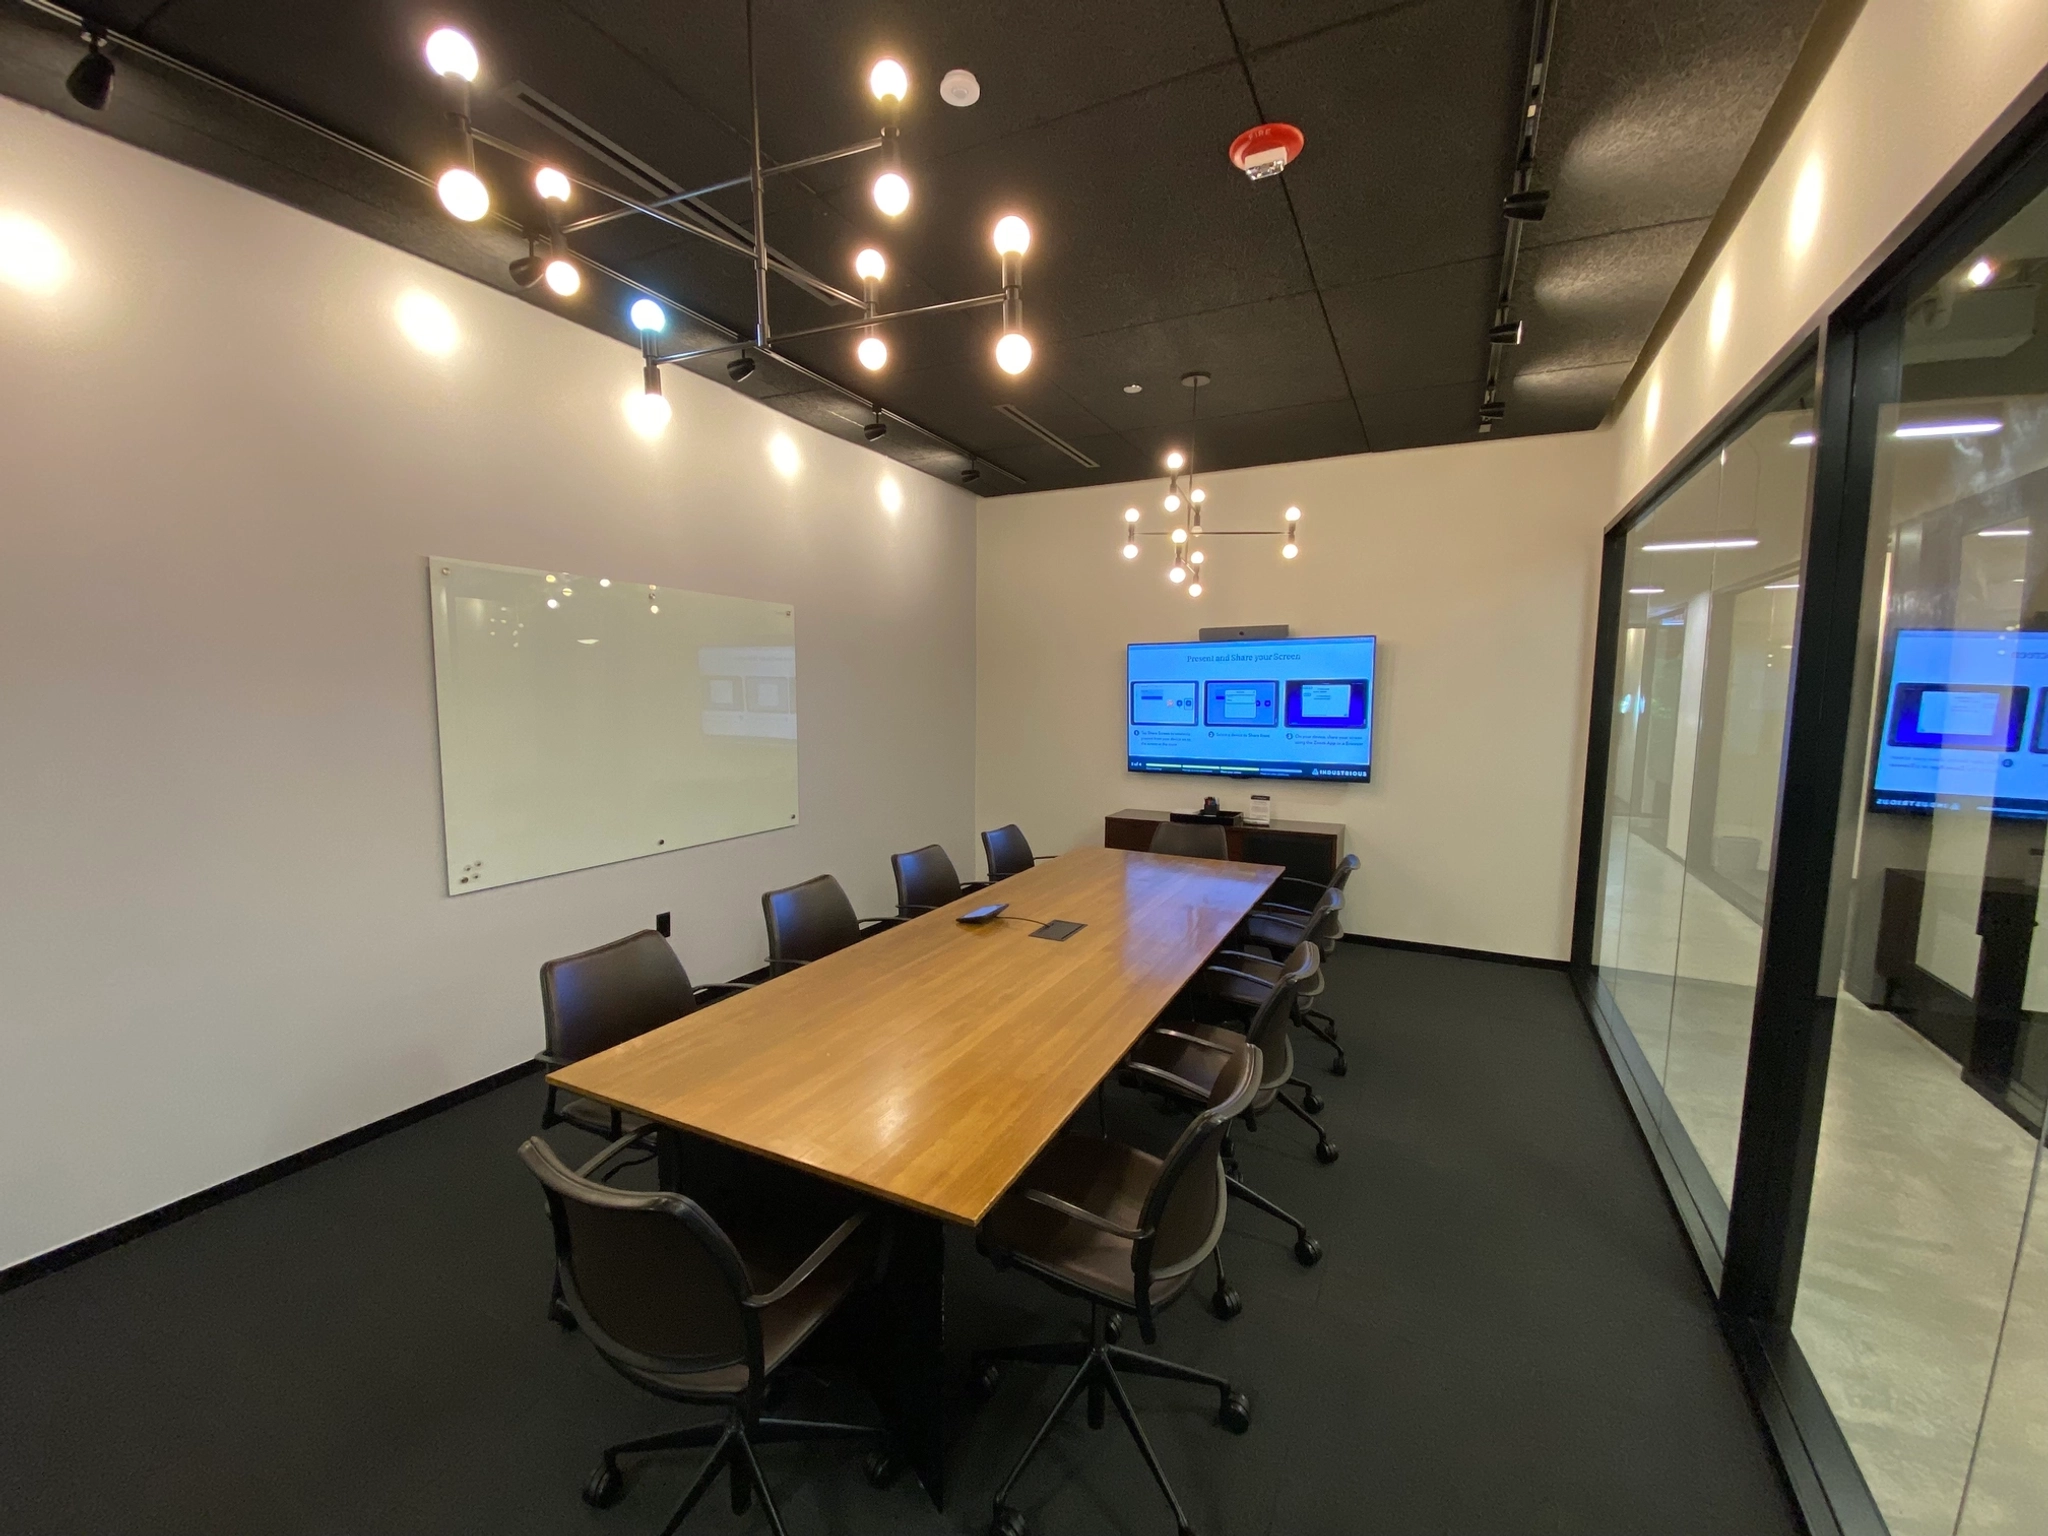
<point x="1710" y="582"/>
<point x="1810" y="917"/>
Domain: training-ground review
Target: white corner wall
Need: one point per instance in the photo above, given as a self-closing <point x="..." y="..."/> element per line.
<point x="1477" y="568"/>
<point x="1920" y="91"/>
<point x="226" y="935"/>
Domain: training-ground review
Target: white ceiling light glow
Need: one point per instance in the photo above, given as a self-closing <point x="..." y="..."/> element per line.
<point x="31" y="258"/>
<point x="1920" y="429"/>
<point x="1682" y="546"/>
<point x="426" y="322"/>
<point x="544" y="219"/>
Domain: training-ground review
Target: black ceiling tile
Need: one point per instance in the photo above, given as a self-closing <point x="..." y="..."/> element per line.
<point x="1258" y="357"/>
<point x="1421" y="418"/>
<point x="1651" y="108"/>
<point x="1312" y="431"/>
<point x="1594" y="300"/>
<point x="1410" y="122"/>
<point x="1262" y="24"/>
<point x="1417" y="330"/>
<point x="1567" y="399"/>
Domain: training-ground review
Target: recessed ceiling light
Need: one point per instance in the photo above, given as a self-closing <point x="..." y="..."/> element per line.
<point x="959" y="88"/>
<point x="1134" y="389"/>
<point x="1948" y="429"/>
<point x="1685" y="544"/>
<point x="2003" y="533"/>
<point x="1645" y="591"/>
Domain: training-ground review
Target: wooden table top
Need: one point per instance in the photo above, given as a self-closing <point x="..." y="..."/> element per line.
<point x="930" y="1063"/>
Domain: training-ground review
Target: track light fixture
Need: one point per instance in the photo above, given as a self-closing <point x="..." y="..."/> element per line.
<point x="1527" y="206"/>
<point x="877" y="428"/>
<point x="1190" y="559"/>
<point x="454" y="60"/>
<point x="1506" y="334"/>
<point x="92" y="77"/>
<point x="1492" y="410"/>
<point x="970" y="474"/>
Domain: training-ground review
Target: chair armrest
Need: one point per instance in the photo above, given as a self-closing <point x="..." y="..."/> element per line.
<point x="589" y="1169"/>
<point x="968" y="887"/>
<point x="809" y="1267"/>
<point x="1040" y="858"/>
<point x="1077" y="1213"/>
<point x="550" y="1061"/>
<point x="905" y="913"/>
<point x="1249" y="954"/>
<point x="1207" y="1045"/>
<point x="1224" y="970"/>
<point x="783" y="967"/>
<point x="877" y="924"/>
<point x="1269" y="907"/>
<point x="704" y="993"/>
<point x="1178" y="1085"/>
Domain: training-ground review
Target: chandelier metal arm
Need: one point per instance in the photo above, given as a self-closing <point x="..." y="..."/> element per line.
<point x="983" y="302"/>
<point x="726" y="185"/>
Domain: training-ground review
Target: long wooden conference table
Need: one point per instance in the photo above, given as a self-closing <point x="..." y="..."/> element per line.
<point x="928" y="1065"/>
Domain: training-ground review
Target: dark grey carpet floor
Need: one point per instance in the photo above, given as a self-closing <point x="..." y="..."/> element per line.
<point x="1507" y="1335"/>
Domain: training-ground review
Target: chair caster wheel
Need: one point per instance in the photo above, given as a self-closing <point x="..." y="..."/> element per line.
<point x="882" y="1467"/>
<point x="982" y="1384"/>
<point x="1113" y="1328"/>
<point x="604" y="1487"/>
<point x="1307" y="1251"/>
<point x="560" y="1315"/>
<point x="1236" y="1413"/>
<point x="1007" y="1522"/>
<point x="1338" y="1067"/>
<point x="1226" y="1303"/>
<point x="1312" y="1102"/>
<point x="1326" y="1151"/>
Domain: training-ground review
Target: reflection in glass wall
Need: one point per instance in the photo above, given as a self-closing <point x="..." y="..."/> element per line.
<point x="1705" y="655"/>
<point x="1923" y="1296"/>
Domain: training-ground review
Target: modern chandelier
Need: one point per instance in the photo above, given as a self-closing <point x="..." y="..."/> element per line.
<point x="1184" y="507"/>
<point x="550" y="259"/>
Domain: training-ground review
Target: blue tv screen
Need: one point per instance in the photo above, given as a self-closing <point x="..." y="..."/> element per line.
<point x="1965" y="722"/>
<point x="1260" y="709"/>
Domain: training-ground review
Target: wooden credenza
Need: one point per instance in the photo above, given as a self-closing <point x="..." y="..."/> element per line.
<point x="1309" y="849"/>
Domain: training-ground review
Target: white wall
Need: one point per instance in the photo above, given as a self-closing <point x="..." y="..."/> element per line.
<point x="224" y="934"/>
<point x="1475" y="565"/>
<point x="1919" y="92"/>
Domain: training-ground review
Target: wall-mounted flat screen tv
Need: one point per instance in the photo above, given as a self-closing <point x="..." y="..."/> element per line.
<point x="1261" y="709"/>
<point x="1965" y="722"/>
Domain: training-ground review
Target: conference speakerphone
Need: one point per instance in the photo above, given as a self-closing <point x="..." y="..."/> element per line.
<point x="1057" y="929"/>
<point x="1299" y="709"/>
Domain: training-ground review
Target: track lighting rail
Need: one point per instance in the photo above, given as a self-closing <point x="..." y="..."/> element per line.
<point x="1524" y="205"/>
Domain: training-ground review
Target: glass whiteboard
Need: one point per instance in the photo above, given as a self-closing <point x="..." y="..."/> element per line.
<point x="586" y="719"/>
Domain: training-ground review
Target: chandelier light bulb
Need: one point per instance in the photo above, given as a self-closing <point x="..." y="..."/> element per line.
<point x="1174" y="460"/>
<point x="1291" y="550"/>
<point x="873" y="352"/>
<point x="1293" y="516"/>
<point x="1130" y="550"/>
<point x="1195" y="587"/>
<point x="1130" y="514"/>
<point x="563" y="277"/>
<point x="1180" y="535"/>
<point x="1177" y="573"/>
<point x="1173" y="501"/>
<point x="648" y="415"/>
<point x="551" y="184"/>
<point x="1013" y="352"/>
<point x="1012" y="236"/>
<point x="888" y="79"/>
<point x="1982" y="270"/>
<point x="450" y="53"/>
<point x="463" y="195"/>
<point x="647" y="315"/>
<point x="869" y="264"/>
<point x="1196" y="557"/>
<point x="1198" y="495"/>
<point x="892" y="193"/>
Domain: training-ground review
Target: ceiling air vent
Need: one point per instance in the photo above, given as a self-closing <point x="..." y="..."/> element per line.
<point x="1049" y="437"/>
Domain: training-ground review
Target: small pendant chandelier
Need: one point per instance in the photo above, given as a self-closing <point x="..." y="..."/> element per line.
<point x="1183" y="505"/>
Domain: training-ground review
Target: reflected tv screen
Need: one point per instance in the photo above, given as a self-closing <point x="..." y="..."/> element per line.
<point x="1258" y="709"/>
<point x="1965" y="722"/>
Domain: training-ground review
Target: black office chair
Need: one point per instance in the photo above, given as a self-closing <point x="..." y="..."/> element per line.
<point x="925" y="879"/>
<point x="1191" y="840"/>
<point x="1305" y="892"/>
<point x="809" y="921"/>
<point x="1272" y="935"/>
<point x="1125" y="1232"/>
<point x="698" y="1313"/>
<point x="1182" y="1061"/>
<point x="592" y="1001"/>
<point x="1008" y="853"/>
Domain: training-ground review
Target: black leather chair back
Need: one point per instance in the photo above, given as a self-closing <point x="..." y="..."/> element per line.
<point x="593" y="1001"/>
<point x="1007" y="852"/>
<point x="925" y="878"/>
<point x="1267" y="1028"/>
<point x="1191" y="840"/>
<point x="1325" y="923"/>
<point x="653" y="1281"/>
<point x="807" y="922"/>
<point x="1184" y="1209"/>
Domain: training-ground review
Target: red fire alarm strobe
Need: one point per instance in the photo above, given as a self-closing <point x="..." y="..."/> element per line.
<point x="1265" y="150"/>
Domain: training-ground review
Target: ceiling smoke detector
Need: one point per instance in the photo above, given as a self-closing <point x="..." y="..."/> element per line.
<point x="1265" y="150"/>
<point x="959" y="88"/>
